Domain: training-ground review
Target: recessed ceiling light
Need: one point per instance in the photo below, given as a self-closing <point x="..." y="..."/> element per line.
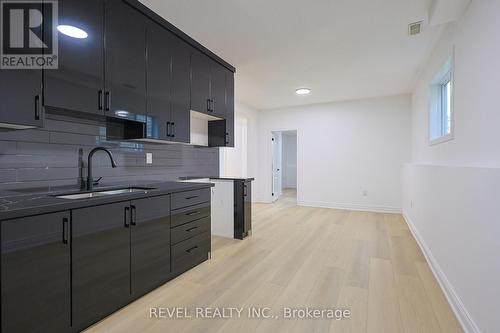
<point x="303" y="91"/>
<point x="122" y="113"/>
<point x="72" y="31"/>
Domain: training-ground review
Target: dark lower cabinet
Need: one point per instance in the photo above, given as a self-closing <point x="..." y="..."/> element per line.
<point x="242" y="208"/>
<point x="35" y="273"/>
<point x="101" y="261"/>
<point x="191" y="252"/>
<point x="150" y="244"/>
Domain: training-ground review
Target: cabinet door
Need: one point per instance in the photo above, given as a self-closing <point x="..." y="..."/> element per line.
<point x="217" y="133"/>
<point x="218" y="89"/>
<point x="36" y="274"/>
<point x="78" y="82"/>
<point x="247" y="209"/>
<point x="150" y="244"/>
<point x="125" y="61"/>
<point x="101" y="261"/>
<point x="21" y="95"/>
<point x="229" y="109"/>
<point x="200" y="82"/>
<point x="181" y="115"/>
<point x="159" y="49"/>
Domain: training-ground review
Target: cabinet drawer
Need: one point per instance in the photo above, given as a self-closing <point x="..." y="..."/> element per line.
<point x="190" y="198"/>
<point x="189" y="214"/>
<point x="190" y="253"/>
<point x="189" y="230"/>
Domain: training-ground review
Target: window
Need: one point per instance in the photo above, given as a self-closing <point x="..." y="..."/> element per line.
<point x="441" y="111"/>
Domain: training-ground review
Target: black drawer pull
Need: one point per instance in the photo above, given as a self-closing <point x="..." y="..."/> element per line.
<point x="193" y="213"/>
<point x="127" y="217"/>
<point x="192" y="249"/>
<point x="134" y="215"/>
<point x="193" y="197"/>
<point x="65" y="230"/>
<point x="191" y="229"/>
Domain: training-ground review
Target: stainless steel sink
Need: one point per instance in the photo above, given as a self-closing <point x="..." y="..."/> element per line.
<point x="104" y="193"/>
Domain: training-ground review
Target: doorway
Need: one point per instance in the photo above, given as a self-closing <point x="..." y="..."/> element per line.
<point x="284" y="164"/>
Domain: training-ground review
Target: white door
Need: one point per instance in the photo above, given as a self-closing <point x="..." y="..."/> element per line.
<point x="276" y="165"/>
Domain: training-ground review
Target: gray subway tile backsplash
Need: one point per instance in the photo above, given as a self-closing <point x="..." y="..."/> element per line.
<point x="49" y="157"/>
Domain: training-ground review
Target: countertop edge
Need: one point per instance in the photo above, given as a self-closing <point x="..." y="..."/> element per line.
<point x="60" y="205"/>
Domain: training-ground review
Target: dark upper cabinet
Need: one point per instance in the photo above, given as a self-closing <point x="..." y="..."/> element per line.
<point x="208" y="85"/>
<point x="159" y="78"/>
<point x="200" y="83"/>
<point x="21" y="95"/>
<point x="218" y="89"/>
<point x="221" y="132"/>
<point x="229" y="116"/>
<point x="168" y="63"/>
<point x="100" y="261"/>
<point x="36" y="272"/>
<point x="78" y="82"/>
<point x="150" y="243"/>
<point x="181" y="91"/>
<point x="125" y="61"/>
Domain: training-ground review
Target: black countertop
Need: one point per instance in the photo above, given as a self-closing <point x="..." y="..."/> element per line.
<point x="15" y="204"/>
<point x="221" y="178"/>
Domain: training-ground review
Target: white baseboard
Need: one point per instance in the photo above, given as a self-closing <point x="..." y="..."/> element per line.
<point x="454" y="300"/>
<point x="346" y="206"/>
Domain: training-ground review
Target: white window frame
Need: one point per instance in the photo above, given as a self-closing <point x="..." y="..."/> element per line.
<point x="438" y="102"/>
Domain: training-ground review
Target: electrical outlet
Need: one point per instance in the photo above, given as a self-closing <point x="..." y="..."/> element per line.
<point x="149" y="158"/>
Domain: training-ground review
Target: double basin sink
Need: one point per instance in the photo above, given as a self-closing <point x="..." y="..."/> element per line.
<point x="103" y="193"/>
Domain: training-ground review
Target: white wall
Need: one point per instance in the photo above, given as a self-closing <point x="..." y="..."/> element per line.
<point x="246" y="147"/>
<point x="452" y="190"/>
<point x="343" y="149"/>
<point x="289" y="163"/>
<point x="235" y="159"/>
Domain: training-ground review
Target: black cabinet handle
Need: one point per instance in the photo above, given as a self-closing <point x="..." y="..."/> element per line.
<point x="168" y="129"/>
<point x="126" y="217"/>
<point x="38" y="107"/>
<point x="191" y="229"/>
<point x="65" y="230"/>
<point x="134" y="215"/>
<point x="245" y="192"/>
<point x="108" y="100"/>
<point x="208" y="105"/>
<point x="100" y="99"/>
<point x="193" y="197"/>
<point x="173" y="130"/>
<point x="227" y="138"/>
<point x="192" y="249"/>
<point x="213" y="106"/>
<point x="193" y="213"/>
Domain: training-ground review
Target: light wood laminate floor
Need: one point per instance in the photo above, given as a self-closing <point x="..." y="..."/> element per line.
<point x="302" y="257"/>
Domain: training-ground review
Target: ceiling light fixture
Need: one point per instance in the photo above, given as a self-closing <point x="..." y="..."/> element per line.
<point x="72" y="31"/>
<point x="303" y="91"/>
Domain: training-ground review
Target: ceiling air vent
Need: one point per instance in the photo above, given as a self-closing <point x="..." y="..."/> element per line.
<point x="415" y="28"/>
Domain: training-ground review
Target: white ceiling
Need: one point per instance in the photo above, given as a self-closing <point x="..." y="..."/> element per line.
<point x="341" y="49"/>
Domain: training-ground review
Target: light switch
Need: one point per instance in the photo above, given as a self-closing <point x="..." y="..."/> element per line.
<point x="149" y="158"/>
